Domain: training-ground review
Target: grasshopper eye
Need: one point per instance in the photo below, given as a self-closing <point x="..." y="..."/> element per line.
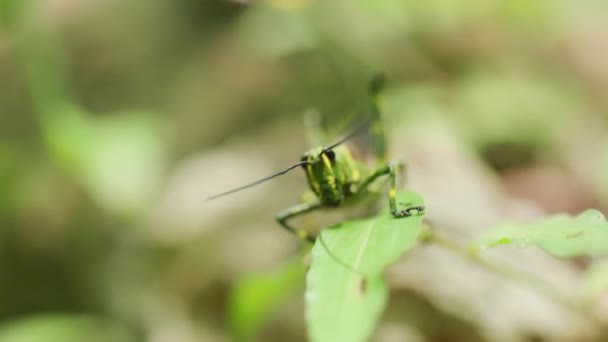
<point x="303" y="159"/>
<point x="330" y="154"/>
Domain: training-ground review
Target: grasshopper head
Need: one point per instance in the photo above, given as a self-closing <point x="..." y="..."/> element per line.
<point x="324" y="178"/>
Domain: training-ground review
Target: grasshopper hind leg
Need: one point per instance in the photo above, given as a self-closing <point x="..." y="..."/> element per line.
<point x="392" y="194"/>
<point x="379" y="148"/>
<point x="391" y="170"/>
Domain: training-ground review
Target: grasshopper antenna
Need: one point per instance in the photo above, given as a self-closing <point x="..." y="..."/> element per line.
<point x="276" y="174"/>
<point x="282" y="172"/>
<point x="376" y="84"/>
<point x="354" y="132"/>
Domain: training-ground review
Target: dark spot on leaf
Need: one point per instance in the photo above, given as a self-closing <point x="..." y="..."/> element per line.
<point x="574" y="235"/>
<point x="361" y="286"/>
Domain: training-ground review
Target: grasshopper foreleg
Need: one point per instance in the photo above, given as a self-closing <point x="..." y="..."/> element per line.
<point x="298" y="209"/>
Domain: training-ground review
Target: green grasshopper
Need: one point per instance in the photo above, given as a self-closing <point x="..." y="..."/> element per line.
<point x="335" y="177"/>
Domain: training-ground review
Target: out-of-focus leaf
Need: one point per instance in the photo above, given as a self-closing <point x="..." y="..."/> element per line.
<point x="525" y="112"/>
<point x="254" y="297"/>
<point x="60" y="328"/>
<point x="526" y="13"/>
<point x="275" y="33"/>
<point x="9" y="11"/>
<point x="119" y="159"/>
<point x="441" y="13"/>
<point x="125" y="161"/>
<point x="343" y="304"/>
<point x="561" y="235"/>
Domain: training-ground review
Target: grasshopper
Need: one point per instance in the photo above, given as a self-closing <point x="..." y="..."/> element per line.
<point x="335" y="177"/>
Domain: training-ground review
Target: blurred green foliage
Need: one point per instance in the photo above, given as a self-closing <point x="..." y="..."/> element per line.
<point x="59" y="328"/>
<point x="254" y="298"/>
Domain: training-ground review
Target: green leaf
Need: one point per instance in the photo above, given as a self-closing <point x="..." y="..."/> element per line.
<point x="9" y="12"/>
<point x="522" y="112"/>
<point x="255" y="297"/>
<point x="274" y="33"/>
<point x="561" y="235"/>
<point x="61" y="328"/>
<point x="124" y="162"/>
<point x="119" y="159"/>
<point x="345" y="304"/>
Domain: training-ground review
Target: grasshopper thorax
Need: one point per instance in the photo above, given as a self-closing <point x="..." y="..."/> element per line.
<point x="324" y="175"/>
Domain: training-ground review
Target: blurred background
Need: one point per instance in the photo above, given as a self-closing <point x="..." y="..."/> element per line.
<point x="118" y="119"/>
